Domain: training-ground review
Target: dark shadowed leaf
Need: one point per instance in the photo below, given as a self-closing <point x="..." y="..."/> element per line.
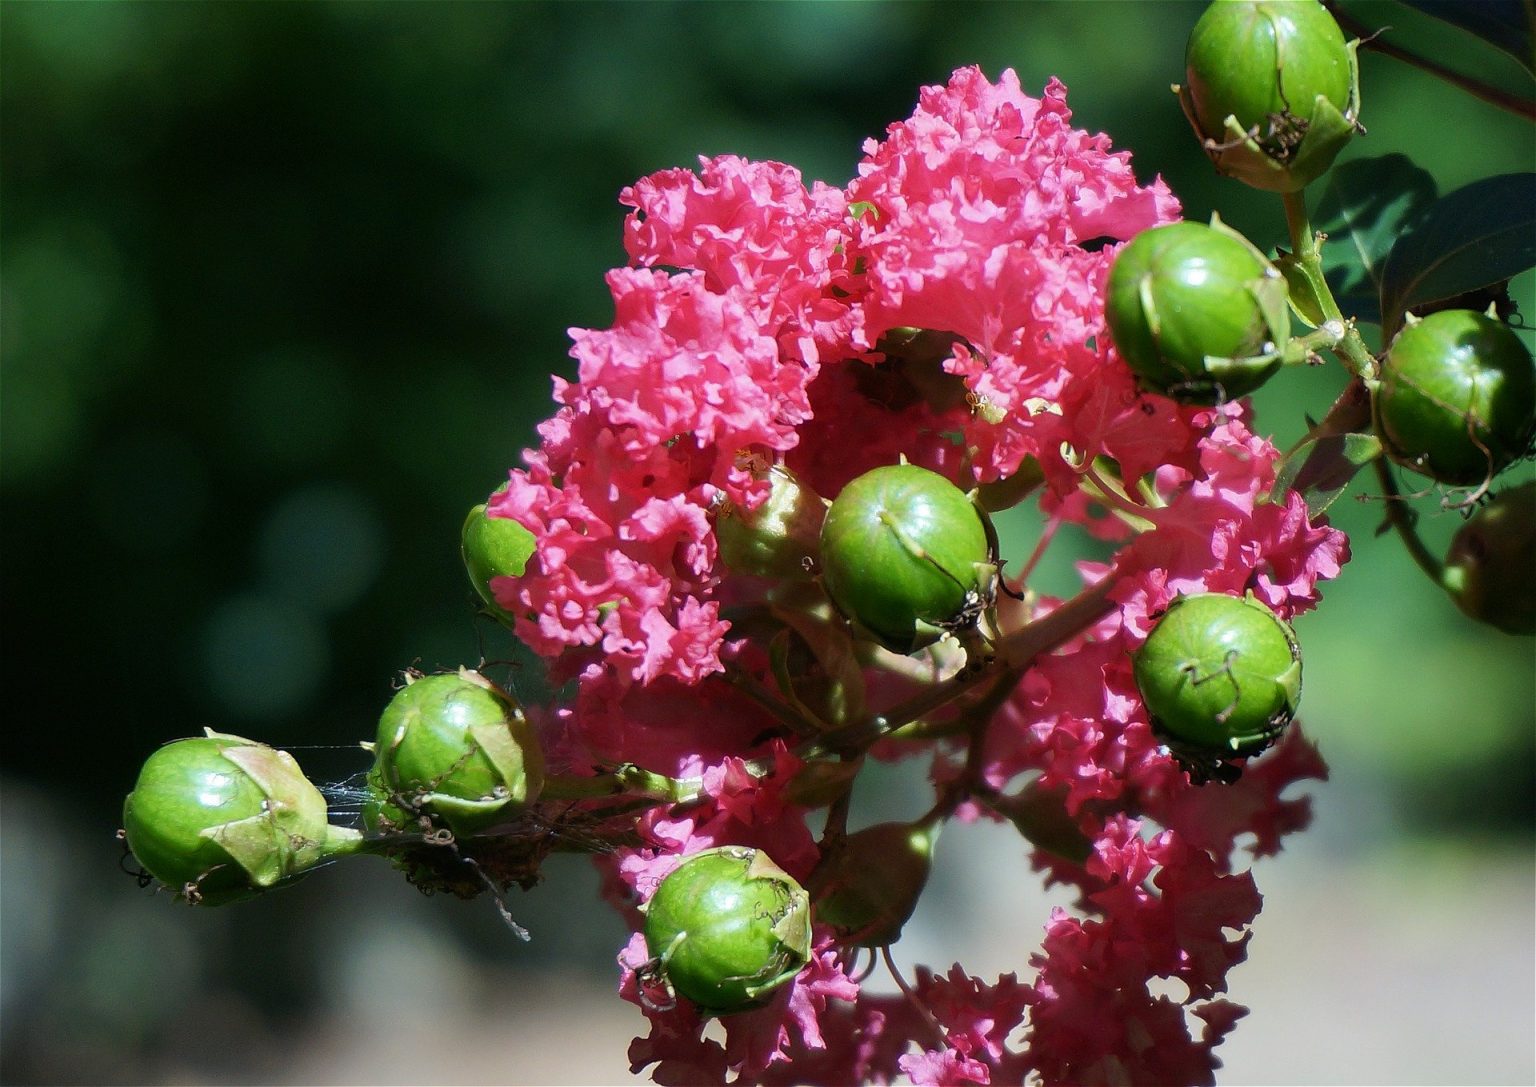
<point x="1367" y="205"/>
<point x="1503" y="24"/>
<point x="1478" y="235"/>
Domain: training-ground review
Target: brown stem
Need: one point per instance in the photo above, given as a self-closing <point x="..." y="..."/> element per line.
<point x="1014" y="653"/>
<point x="939" y="1033"/>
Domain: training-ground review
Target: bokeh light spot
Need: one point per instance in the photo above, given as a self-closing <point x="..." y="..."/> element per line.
<point x="262" y="657"/>
<point x="322" y="547"/>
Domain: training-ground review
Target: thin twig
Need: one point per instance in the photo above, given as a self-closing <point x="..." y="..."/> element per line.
<point x="1401" y="517"/>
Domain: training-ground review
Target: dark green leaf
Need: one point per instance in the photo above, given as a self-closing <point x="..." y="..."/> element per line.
<point x="1478" y="235"/>
<point x="1503" y="24"/>
<point x="1366" y="206"/>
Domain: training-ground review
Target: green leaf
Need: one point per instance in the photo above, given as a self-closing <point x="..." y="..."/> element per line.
<point x="1503" y="24"/>
<point x="1321" y="468"/>
<point x="1367" y="205"/>
<point x="1478" y="235"/>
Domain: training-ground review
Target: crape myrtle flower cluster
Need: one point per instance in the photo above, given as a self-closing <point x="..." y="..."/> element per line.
<point x="945" y="310"/>
<point x="754" y="549"/>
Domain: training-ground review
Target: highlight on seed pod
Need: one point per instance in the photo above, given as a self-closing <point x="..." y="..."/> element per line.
<point x="453" y="747"/>
<point x="907" y="556"/>
<point x="728" y="927"/>
<point x="218" y="818"/>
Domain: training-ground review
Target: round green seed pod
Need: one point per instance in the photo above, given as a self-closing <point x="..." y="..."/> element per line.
<point x="1490" y="570"/>
<point x="727" y="927"/>
<point x="1220" y="675"/>
<point x="218" y="818"/>
<point x="1271" y="89"/>
<point x="455" y="746"/>
<point x="868" y="885"/>
<point x="1457" y="398"/>
<point x="778" y="538"/>
<point x="494" y="547"/>
<point x="1197" y="312"/>
<point x="906" y="555"/>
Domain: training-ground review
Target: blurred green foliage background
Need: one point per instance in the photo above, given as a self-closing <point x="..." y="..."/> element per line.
<point x="282" y="289"/>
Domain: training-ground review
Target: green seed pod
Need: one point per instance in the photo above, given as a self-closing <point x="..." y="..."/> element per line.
<point x="1271" y="89"/>
<point x="218" y="818"/>
<point x="727" y="927"/>
<point x="1197" y="312"/>
<point x="1490" y="570"/>
<point x="1221" y="677"/>
<point x="456" y="746"/>
<point x="1457" y="397"/>
<point x="907" y="556"/>
<point x="779" y="537"/>
<point x="494" y="547"/>
<point x="868" y="884"/>
<point x="1040" y="815"/>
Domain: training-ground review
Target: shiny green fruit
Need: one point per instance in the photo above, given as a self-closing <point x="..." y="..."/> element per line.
<point x="1272" y="90"/>
<point x="1197" y="312"/>
<point x="1457" y="398"/>
<point x="906" y="555"/>
<point x="1220" y="675"/>
<point x="494" y="547"/>
<point x="727" y="927"/>
<point x="220" y="817"/>
<point x="456" y="747"/>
